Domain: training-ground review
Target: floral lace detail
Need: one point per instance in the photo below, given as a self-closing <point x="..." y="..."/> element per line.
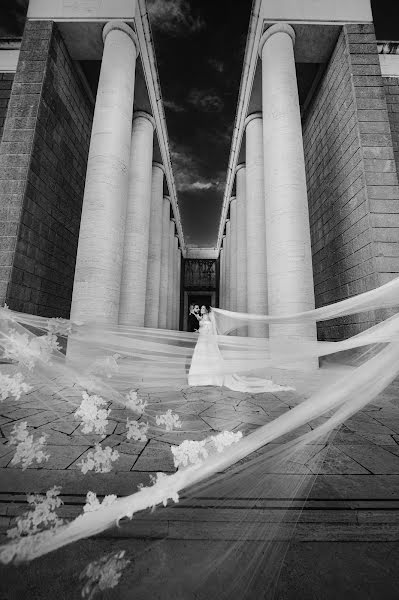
<point x="99" y="460"/>
<point x="28" y="450"/>
<point x="170" y="420"/>
<point x="94" y="419"/>
<point x="170" y="490"/>
<point x="103" y="574"/>
<point x="225" y="439"/>
<point x="13" y="386"/>
<point x="189" y="452"/>
<point x="134" y="403"/>
<point x="59" y="326"/>
<point x="93" y="504"/>
<point x="136" y="431"/>
<point x="26" y="351"/>
<point x="43" y="515"/>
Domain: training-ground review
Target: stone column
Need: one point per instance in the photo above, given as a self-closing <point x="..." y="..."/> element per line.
<point x="228" y="263"/>
<point x="241" y="239"/>
<point x="289" y="257"/>
<point x="256" y="229"/>
<point x="169" y="311"/>
<point x="100" y="249"/>
<point x="174" y="305"/>
<point x="221" y="277"/>
<point x="135" y="250"/>
<point x="154" y="248"/>
<point x="178" y="289"/>
<point x="233" y="254"/>
<point x="163" y="290"/>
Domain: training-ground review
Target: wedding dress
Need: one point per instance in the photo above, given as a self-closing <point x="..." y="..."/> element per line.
<point x="207" y="362"/>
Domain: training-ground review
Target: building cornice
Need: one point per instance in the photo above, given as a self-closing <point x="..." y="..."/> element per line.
<point x="386" y="47"/>
<point x="248" y="73"/>
<point x="144" y="33"/>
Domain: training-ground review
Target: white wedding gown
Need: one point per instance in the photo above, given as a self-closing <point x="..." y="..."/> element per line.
<point x="207" y="366"/>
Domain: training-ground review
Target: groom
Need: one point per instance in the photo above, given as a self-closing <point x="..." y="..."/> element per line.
<point x="193" y="322"/>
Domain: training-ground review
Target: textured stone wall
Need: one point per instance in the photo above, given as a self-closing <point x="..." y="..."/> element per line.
<point x="6" y="80"/>
<point x="391" y="86"/>
<point x="43" y="157"/>
<point x="352" y="180"/>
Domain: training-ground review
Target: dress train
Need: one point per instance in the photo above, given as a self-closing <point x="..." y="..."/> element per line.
<point x="207" y="360"/>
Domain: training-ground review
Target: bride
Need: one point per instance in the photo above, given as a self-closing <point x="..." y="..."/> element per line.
<point x="208" y="366"/>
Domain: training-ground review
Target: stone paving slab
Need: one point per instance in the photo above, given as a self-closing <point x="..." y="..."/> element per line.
<point x="362" y="465"/>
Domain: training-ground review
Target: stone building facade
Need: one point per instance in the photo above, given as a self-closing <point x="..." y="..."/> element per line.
<point x="334" y="195"/>
<point x="43" y="157"/>
<point x="86" y="186"/>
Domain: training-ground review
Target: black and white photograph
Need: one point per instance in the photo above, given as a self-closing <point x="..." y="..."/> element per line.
<point x="199" y="300"/>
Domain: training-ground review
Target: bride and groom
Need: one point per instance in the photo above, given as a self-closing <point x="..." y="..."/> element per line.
<point x="208" y="366"/>
<point x="195" y="317"/>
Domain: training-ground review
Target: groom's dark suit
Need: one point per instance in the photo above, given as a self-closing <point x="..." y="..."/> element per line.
<point x="192" y="323"/>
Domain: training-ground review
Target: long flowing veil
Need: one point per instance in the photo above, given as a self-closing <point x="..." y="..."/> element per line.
<point x="98" y="368"/>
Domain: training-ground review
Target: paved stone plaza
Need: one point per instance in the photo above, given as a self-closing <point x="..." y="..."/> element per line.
<point x="358" y="485"/>
<point x="353" y="504"/>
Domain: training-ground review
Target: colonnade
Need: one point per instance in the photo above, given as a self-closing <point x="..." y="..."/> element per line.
<point x="128" y="259"/>
<point x="266" y="263"/>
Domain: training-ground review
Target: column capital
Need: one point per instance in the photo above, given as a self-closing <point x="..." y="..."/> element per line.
<point x="276" y="28"/>
<point x="240" y="166"/>
<point x="144" y="115"/>
<point x="252" y="116"/>
<point x="121" y="26"/>
<point x="159" y="166"/>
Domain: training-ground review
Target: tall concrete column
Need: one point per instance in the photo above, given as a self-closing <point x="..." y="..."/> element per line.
<point x="256" y="228"/>
<point x="289" y="257"/>
<point x="174" y="305"/>
<point x="221" y="277"/>
<point x="241" y="191"/>
<point x="163" y="289"/>
<point x="154" y="248"/>
<point x="169" y="311"/>
<point x="98" y="270"/>
<point x="178" y="289"/>
<point x="135" y="250"/>
<point x="233" y="254"/>
<point x="228" y="263"/>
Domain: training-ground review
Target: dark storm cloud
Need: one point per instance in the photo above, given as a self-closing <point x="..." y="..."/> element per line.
<point x="191" y="173"/>
<point x="200" y="76"/>
<point x="173" y="16"/>
<point x="206" y="100"/>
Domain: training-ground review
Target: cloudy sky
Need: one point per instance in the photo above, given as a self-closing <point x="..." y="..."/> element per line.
<point x="199" y="46"/>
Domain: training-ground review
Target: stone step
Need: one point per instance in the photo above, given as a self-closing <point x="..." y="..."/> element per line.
<point x="321" y="520"/>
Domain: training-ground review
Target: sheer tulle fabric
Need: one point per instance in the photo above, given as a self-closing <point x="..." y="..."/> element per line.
<point x="151" y="359"/>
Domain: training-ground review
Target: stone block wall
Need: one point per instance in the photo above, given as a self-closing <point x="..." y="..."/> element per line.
<point x="43" y="158"/>
<point x="352" y="180"/>
<point x="391" y="87"/>
<point x="6" y="80"/>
